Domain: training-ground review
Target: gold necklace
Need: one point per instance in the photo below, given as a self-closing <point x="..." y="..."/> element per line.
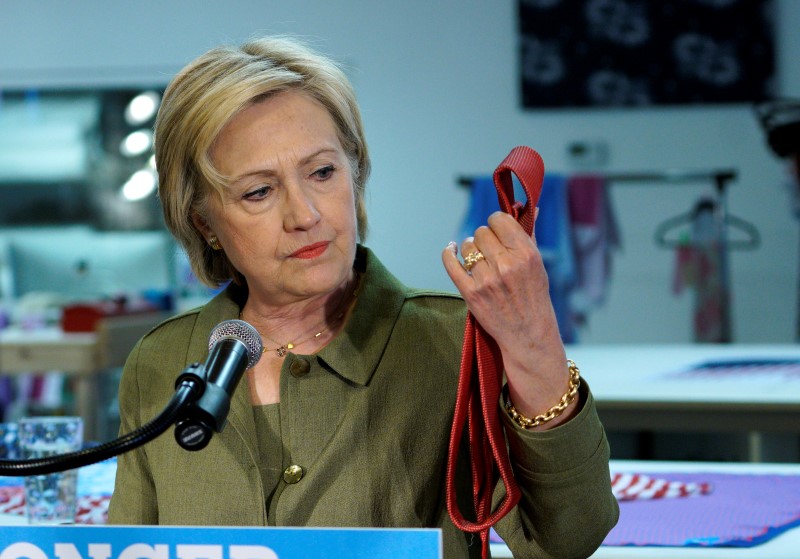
<point x="282" y="349"/>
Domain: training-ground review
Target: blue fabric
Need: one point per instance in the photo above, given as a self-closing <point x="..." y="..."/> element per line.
<point x="482" y="203"/>
<point x="552" y="212"/>
<point x="552" y="236"/>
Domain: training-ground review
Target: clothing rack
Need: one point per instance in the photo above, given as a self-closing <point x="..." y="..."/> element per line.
<point x="720" y="177"/>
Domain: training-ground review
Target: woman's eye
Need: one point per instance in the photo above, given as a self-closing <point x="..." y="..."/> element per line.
<point x="324" y="173"/>
<point x="258" y="193"/>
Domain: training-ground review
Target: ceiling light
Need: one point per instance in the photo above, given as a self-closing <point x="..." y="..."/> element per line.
<point x="136" y="143"/>
<point x="142" y="108"/>
<point x="140" y="185"/>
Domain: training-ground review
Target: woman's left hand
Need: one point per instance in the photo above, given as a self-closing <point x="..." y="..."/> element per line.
<point x="507" y="292"/>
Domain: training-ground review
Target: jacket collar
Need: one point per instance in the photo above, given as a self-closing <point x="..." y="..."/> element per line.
<point x="356" y="352"/>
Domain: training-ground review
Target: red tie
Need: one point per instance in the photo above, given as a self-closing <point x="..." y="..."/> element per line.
<point x="479" y="407"/>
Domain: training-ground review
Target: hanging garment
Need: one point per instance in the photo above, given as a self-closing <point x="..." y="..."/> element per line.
<point x="553" y="238"/>
<point x="702" y="265"/>
<point x="594" y="236"/>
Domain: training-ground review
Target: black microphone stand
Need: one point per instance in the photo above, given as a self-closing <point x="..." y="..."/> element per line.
<point x="190" y="386"/>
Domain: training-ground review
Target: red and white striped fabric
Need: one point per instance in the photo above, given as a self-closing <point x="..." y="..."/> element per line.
<point x="12" y="500"/>
<point x="91" y="509"/>
<point x="631" y="487"/>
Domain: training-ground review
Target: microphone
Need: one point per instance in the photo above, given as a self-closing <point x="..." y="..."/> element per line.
<point x="234" y="346"/>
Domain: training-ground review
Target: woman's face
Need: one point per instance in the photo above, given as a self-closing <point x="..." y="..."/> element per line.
<point x="287" y="219"/>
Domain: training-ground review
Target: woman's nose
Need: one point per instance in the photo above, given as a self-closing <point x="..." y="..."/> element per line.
<point x="300" y="211"/>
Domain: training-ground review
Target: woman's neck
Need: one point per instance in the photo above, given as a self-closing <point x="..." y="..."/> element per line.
<point x="307" y="324"/>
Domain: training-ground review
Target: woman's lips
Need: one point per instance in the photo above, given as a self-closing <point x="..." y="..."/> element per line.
<point x="310" y="251"/>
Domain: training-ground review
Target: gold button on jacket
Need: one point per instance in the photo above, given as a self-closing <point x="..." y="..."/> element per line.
<point x="299" y="367"/>
<point x="293" y="474"/>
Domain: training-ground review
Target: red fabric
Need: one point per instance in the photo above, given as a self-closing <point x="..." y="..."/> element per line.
<point x="480" y="379"/>
<point x="585" y="197"/>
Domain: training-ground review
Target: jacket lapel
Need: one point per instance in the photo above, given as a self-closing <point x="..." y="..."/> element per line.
<point x="337" y="396"/>
<point x="356" y="352"/>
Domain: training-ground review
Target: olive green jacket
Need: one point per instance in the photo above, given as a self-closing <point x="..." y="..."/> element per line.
<point x="368" y="420"/>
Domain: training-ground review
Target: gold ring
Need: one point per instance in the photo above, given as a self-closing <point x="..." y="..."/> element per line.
<point x="473" y="258"/>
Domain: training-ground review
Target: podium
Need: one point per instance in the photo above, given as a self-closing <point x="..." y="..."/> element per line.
<point x="165" y="542"/>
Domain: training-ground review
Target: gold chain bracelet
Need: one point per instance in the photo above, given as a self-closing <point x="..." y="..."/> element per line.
<point x="555" y="411"/>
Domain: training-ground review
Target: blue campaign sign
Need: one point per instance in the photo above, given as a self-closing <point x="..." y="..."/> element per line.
<point x="164" y="542"/>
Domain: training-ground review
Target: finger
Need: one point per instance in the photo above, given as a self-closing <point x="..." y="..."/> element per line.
<point x="509" y="233"/>
<point x="472" y="253"/>
<point x="487" y="242"/>
<point x="454" y="268"/>
<point x="468" y="246"/>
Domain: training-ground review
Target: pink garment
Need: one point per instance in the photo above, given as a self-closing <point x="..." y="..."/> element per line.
<point x="594" y="236"/>
<point x="701" y="264"/>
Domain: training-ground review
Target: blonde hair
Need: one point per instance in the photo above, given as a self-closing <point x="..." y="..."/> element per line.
<point x="201" y="100"/>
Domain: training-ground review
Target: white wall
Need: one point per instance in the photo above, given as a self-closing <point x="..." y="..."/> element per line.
<point x="438" y="86"/>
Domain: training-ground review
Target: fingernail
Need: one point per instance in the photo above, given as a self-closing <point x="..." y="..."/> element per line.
<point x="451" y="246"/>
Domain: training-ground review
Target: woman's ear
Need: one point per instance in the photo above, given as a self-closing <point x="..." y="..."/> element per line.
<point x="201" y="225"/>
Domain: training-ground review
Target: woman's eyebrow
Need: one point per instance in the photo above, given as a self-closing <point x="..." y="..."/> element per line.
<point x="270" y="172"/>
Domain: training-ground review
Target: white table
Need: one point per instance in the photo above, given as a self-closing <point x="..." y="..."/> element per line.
<point x="635" y="390"/>
<point x="784" y="546"/>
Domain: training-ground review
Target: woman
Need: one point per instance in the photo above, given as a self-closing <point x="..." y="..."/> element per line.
<point x="345" y="420"/>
